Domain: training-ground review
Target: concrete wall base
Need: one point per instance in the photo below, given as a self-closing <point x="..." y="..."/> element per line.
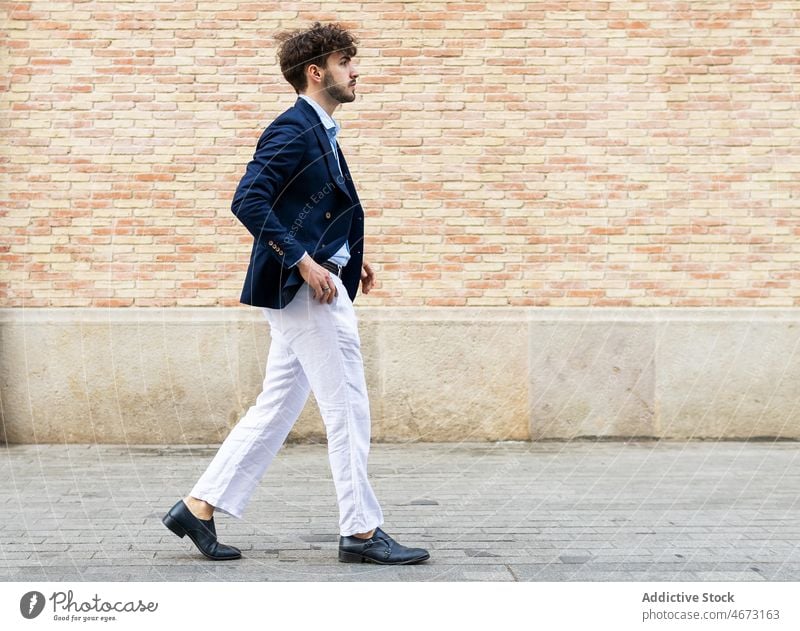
<point x="186" y="375"/>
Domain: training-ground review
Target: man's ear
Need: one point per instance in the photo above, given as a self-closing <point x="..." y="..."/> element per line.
<point x="314" y="72"/>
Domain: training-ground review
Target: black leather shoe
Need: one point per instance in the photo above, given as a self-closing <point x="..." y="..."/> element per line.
<point x="202" y="532"/>
<point x="379" y="548"/>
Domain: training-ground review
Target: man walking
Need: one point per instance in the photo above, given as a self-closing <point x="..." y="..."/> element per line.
<point x="298" y="201"/>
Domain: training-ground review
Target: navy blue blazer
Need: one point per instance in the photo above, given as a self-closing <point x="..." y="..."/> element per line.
<point x="292" y="199"/>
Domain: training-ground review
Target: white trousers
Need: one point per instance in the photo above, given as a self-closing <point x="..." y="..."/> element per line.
<point x="314" y="347"/>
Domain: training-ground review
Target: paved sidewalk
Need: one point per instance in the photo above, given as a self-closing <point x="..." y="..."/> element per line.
<point x="572" y="511"/>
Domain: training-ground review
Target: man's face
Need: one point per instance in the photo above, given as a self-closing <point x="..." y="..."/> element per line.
<point x="339" y="79"/>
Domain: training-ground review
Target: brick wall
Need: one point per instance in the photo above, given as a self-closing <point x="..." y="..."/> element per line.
<point x="507" y="153"/>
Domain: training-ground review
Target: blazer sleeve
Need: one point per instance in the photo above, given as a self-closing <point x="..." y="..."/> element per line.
<point x="278" y="154"/>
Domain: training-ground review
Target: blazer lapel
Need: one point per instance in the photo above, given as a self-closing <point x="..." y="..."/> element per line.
<point x="324" y="145"/>
<point x="348" y="178"/>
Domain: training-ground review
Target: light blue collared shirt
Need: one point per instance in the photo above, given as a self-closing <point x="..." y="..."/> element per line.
<point x="342" y="256"/>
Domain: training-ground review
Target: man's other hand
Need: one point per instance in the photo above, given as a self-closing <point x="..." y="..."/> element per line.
<point x="367" y="278"/>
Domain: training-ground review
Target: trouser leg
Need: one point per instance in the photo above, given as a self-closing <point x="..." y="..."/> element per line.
<point x="247" y="452"/>
<point x="325" y="340"/>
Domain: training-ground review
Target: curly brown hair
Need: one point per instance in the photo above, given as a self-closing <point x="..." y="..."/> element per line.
<point x="299" y="49"/>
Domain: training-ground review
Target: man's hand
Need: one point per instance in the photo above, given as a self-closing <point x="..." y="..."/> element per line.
<point x="318" y="278"/>
<point x="367" y="278"/>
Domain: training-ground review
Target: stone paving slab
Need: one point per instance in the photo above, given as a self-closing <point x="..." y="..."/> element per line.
<point x="546" y="511"/>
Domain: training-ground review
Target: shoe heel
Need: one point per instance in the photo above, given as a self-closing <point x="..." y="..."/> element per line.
<point x="350" y="557"/>
<point x="174" y="526"/>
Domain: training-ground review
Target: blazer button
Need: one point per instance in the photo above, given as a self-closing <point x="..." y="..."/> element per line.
<point x="327" y="215"/>
<point x="270" y="242"/>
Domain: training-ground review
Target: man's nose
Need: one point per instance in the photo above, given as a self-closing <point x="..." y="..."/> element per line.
<point x="353" y="71"/>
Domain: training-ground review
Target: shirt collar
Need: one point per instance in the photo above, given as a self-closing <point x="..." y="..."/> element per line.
<point x="331" y="126"/>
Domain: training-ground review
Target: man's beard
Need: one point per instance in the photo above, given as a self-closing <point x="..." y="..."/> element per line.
<point x="336" y="91"/>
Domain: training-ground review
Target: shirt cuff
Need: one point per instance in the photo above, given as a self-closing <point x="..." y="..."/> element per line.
<point x="305" y="254"/>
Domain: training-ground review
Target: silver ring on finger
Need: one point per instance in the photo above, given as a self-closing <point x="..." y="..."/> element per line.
<point x="325" y="289"/>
